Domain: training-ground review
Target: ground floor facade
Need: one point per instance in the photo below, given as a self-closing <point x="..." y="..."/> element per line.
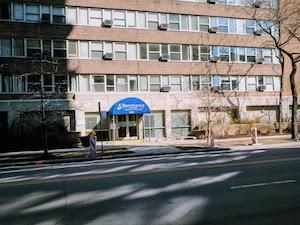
<point x="170" y="115"/>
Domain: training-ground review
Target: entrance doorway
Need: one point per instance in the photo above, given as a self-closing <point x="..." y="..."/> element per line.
<point x="127" y="126"/>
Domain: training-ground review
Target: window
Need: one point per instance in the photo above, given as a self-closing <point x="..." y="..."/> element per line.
<point x="60" y="83"/>
<point x="60" y="49"/>
<point x="122" y="83"/>
<point x="176" y="83"/>
<point x="195" y="53"/>
<point x="84" y="49"/>
<point x="180" y="122"/>
<point x="205" y="83"/>
<point x="174" y="52"/>
<point x="133" y="84"/>
<point x="155" y="83"/>
<point x="225" y="83"/>
<point x="18" y="11"/>
<point x="19" y="83"/>
<point x="267" y="54"/>
<point x="233" y="54"/>
<point x="58" y="15"/>
<point x="203" y="23"/>
<point x="152" y="20"/>
<point x="71" y="15"/>
<point x="143" y="83"/>
<point x="143" y="51"/>
<point x="131" y="51"/>
<point x="47" y="48"/>
<point x="7" y="83"/>
<point x="110" y="83"/>
<point x="250" y="26"/>
<point x="186" y="83"/>
<point x="5" y="11"/>
<point x="232" y="26"/>
<point x="120" y="51"/>
<point x="154" y="52"/>
<point x="99" y="83"/>
<point x="33" y="13"/>
<point x="251" y="83"/>
<point x="96" y="50"/>
<point x="72" y="49"/>
<point x="154" y="124"/>
<point x="174" y="22"/>
<point x="194" y="23"/>
<point x="85" y="83"/>
<point x="33" y="47"/>
<point x="242" y="54"/>
<point x="96" y="17"/>
<point x="141" y="20"/>
<point x="131" y="19"/>
<point x="48" y="83"/>
<point x="223" y="25"/>
<point x="5" y="47"/>
<point x="251" y="55"/>
<point x="33" y="83"/>
<point x="185" y="53"/>
<point x="204" y="53"/>
<point x="184" y="22"/>
<point x="83" y="16"/>
<point x="196" y="83"/>
<point x="19" y="47"/>
<point x="119" y="18"/>
<point x="224" y="54"/>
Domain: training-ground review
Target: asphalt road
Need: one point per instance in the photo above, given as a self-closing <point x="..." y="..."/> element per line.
<point x="254" y="187"/>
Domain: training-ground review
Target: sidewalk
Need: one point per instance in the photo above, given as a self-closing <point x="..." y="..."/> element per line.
<point x="134" y="148"/>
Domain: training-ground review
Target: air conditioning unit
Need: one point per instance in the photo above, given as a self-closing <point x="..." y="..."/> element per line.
<point x="212" y="1"/>
<point x="45" y="18"/>
<point x="107" y="23"/>
<point x="257" y="4"/>
<point x="163" y="26"/>
<point x="213" y="29"/>
<point x="260" y="60"/>
<point x="216" y="88"/>
<point x="262" y="88"/>
<point x="258" y="32"/>
<point x="214" y="59"/>
<point x="165" y="89"/>
<point x="108" y="56"/>
<point x="164" y="58"/>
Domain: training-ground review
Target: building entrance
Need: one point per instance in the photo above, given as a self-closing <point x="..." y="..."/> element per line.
<point x="127" y="126"/>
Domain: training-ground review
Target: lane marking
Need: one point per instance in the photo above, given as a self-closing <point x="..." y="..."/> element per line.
<point x="123" y="174"/>
<point x="263" y="184"/>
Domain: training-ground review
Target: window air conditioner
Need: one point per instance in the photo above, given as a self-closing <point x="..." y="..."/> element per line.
<point x="216" y="88"/>
<point x="257" y="4"/>
<point x="165" y="89"/>
<point x="108" y="56"/>
<point x="212" y="1"/>
<point x="262" y="88"/>
<point x="45" y="18"/>
<point x="260" y="61"/>
<point x="163" y="26"/>
<point x="214" y="59"/>
<point x="107" y="23"/>
<point x="258" y="32"/>
<point x="164" y="58"/>
<point x="213" y="29"/>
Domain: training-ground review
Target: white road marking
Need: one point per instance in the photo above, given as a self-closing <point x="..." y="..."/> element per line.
<point x="263" y="184"/>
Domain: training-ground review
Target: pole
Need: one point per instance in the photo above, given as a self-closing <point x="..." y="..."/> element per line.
<point x="101" y="133"/>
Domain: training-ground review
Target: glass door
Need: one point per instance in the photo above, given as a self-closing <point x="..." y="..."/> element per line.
<point x="122" y="126"/>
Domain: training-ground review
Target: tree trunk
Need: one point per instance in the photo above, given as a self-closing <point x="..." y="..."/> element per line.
<point x="294" y="128"/>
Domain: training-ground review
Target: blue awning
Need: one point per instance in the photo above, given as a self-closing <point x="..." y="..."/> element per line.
<point x="129" y="106"/>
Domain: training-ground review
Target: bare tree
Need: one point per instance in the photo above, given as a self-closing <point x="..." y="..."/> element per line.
<point x="283" y="27"/>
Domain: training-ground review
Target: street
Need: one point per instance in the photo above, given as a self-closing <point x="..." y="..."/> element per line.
<point x="253" y="187"/>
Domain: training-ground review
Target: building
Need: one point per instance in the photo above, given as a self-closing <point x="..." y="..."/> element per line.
<point x="178" y="58"/>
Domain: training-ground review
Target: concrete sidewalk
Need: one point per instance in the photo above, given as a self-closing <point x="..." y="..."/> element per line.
<point x="155" y="147"/>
